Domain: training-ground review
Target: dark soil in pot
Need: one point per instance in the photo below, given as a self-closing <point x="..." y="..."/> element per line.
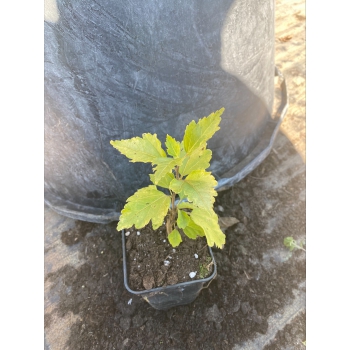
<point x="152" y="262"/>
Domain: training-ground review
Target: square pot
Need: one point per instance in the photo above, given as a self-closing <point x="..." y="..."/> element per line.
<point x="163" y="298"/>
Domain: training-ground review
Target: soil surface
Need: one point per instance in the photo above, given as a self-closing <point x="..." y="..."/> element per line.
<point x="152" y="262"/>
<point x="257" y="300"/>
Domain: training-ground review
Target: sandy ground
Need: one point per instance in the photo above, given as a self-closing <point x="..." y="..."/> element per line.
<point x="290" y="59"/>
<point x="281" y="178"/>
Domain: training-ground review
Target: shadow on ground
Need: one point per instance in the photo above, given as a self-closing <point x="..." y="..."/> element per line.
<point x="257" y="300"/>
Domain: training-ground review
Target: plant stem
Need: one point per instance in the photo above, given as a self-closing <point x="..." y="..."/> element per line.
<point x="172" y="215"/>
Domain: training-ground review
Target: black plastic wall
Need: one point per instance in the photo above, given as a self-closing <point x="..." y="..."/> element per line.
<point x="115" y="69"/>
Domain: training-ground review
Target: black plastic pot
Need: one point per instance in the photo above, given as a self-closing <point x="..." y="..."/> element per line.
<point x="114" y="70"/>
<point x="164" y="298"/>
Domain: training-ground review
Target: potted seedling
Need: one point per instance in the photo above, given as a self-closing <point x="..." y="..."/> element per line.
<point x="169" y="226"/>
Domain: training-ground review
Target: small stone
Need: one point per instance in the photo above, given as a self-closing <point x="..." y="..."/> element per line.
<point x="236" y="306"/>
<point x="220" y="208"/>
<point x="192" y="274"/>
<point x="166" y="262"/>
<point x="196" y="256"/>
<point x="125" y="343"/>
<point x="164" y="240"/>
<point x="245" y="307"/>
<point x="130" y="301"/>
<point x="138" y="233"/>
<point x="148" y="281"/>
<point x="127" y="233"/>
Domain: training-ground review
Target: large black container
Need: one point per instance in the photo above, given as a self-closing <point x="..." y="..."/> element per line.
<point x="164" y="298"/>
<point x="117" y="69"/>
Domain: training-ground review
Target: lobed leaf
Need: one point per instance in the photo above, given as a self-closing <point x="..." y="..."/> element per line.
<point x="198" y="187"/>
<point x="182" y="219"/>
<point x="173" y="146"/>
<point x="192" y="230"/>
<point x="197" y="134"/>
<point x="174" y="238"/>
<point x="164" y="181"/>
<point x="164" y="166"/>
<point x="186" y="205"/>
<point x="146" y="204"/>
<point x="146" y="149"/>
<point x="208" y="221"/>
<point x="197" y="160"/>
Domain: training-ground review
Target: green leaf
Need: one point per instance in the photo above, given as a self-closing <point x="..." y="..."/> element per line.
<point x="192" y="230"/>
<point x="208" y="221"/>
<point x="164" y="166"/>
<point x="146" y="149"/>
<point x="146" y="204"/>
<point x="164" y="181"/>
<point x="173" y="146"/>
<point x="182" y="219"/>
<point x="174" y="238"/>
<point x="290" y="243"/>
<point x="198" y="187"/>
<point x="197" y="160"/>
<point x="197" y="134"/>
<point x="186" y="205"/>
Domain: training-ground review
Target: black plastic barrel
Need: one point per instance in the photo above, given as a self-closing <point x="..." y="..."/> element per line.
<point x="116" y="69"/>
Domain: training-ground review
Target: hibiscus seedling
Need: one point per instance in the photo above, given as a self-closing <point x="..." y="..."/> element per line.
<point x="181" y="169"/>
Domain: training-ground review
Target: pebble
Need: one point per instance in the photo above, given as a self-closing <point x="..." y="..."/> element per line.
<point x="130" y="301"/>
<point x="166" y="262"/>
<point x="127" y="233"/>
<point x="196" y="256"/>
<point x="138" y="233"/>
<point x="192" y="274"/>
<point x="220" y="208"/>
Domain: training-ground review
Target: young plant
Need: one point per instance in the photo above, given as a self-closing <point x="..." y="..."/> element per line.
<point x="291" y="243"/>
<point x="181" y="170"/>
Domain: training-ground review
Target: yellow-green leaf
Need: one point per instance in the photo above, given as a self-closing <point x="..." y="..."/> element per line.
<point x="182" y="219"/>
<point x="146" y="149"/>
<point x="164" y="181"/>
<point x="208" y="221"/>
<point x="198" y="159"/>
<point x="173" y="146"/>
<point x="197" y="134"/>
<point x="186" y="205"/>
<point x="146" y="204"/>
<point x="174" y="238"/>
<point x="164" y="166"/>
<point x="192" y="230"/>
<point x="198" y="187"/>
